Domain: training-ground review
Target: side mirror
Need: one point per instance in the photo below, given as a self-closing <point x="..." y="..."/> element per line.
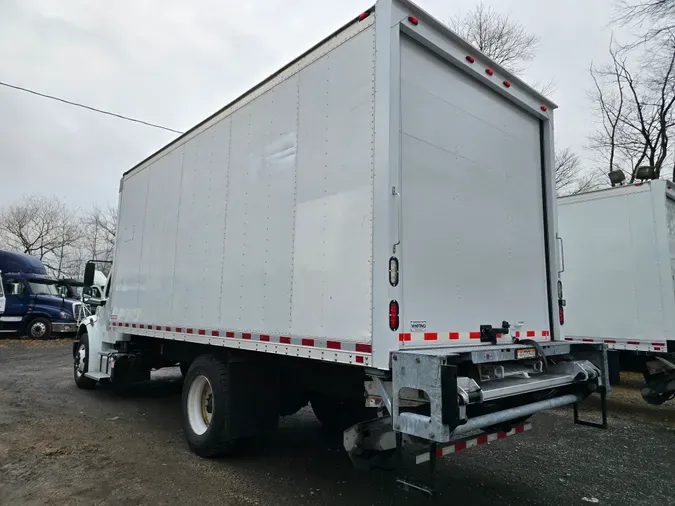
<point x="89" y="271"/>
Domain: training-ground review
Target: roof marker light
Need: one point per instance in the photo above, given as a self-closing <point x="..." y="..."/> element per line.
<point x="544" y="108"/>
<point x="470" y="59"/>
<point x="507" y="84"/>
<point x="489" y="72"/>
<point x="413" y="20"/>
<point x="364" y="15"/>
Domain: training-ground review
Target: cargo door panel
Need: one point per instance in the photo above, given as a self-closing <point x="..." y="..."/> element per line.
<point x="473" y="236"/>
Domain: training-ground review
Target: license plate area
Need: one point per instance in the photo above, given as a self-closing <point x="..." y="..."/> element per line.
<point x="525" y="353"/>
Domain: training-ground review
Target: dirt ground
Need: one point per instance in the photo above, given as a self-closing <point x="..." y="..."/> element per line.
<point x="60" y="445"/>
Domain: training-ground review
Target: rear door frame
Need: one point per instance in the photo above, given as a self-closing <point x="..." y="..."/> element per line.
<point x="393" y="20"/>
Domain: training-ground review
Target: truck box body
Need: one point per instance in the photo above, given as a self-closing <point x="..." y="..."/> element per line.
<point x="619" y="252"/>
<point x="270" y="226"/>
<point x="385" y="206"/>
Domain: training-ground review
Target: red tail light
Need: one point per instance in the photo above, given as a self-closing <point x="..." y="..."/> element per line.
<point x="561" y="314"/>
<point x="393" y="315"/>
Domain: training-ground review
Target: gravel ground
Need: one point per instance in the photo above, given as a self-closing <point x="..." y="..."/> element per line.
<point x="60" y="445"/>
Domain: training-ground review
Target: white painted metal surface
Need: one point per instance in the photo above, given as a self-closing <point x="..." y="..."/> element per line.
<point x="473" y="247"/>
<point x="618" y="278"/>
<point x="262" y="222"/>
<point x="277" y="216"/>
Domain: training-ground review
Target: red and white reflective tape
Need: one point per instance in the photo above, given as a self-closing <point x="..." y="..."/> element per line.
<point x="623" y="344"/>
<point x="458" y="446"/>
<point x="405" y="337"/>
<point x="360" y="351"/>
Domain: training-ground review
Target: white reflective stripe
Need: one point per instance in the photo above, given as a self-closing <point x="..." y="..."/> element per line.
<point x="10" y="318"/>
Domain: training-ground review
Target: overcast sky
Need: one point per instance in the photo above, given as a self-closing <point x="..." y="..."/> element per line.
<point x="174" y="62"/>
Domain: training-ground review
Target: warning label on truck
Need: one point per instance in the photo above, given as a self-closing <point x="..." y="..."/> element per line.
<point x="418" y="325"/>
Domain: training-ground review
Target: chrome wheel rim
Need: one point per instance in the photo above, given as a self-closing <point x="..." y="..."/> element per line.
<point x="38" y="329"/>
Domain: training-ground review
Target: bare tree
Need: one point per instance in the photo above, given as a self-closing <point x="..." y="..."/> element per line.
<point x="99" y="228"/>
<point x="636" y="110"/>
<point x="497" y="36"/>
<point x="655" y="19"/>
<point x="570" y="178"/>
<point x="40" y="226"/>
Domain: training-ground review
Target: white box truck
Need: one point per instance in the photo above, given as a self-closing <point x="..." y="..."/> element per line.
<point x="371" y="230"/>
<point x="619" y="254"/>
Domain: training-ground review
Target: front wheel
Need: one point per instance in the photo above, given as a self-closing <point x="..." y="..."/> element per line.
<point x="81" y="364"/>
<point x="39" y="328"/>
<point x="208" y="416"/>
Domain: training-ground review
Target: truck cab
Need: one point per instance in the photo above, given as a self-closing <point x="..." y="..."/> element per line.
<point x="89" y="295"/>
<point x="76" y="289"/>
<point x="33" y="305"/>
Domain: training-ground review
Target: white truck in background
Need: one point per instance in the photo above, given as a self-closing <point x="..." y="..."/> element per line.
<point x="619" y="249"/>
<point x="371" y="230"/>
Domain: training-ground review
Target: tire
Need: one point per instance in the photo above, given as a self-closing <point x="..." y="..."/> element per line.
<point x="337" y="414"/>
<point x="81" y="365"/>
<point x="208" y="413"/>
<point x="39" y="328"/>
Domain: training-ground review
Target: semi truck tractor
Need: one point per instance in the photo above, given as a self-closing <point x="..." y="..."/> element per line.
<point x="30" y="302"/>
<point x="371" y="230"/>
<point x="619" y="246"/>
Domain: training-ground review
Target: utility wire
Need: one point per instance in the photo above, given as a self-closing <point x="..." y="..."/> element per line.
<point x="89" y="107"/>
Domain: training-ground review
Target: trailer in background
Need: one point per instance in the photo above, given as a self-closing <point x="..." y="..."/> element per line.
<point x="619" y="279"/>
<point x="371" y="230"/>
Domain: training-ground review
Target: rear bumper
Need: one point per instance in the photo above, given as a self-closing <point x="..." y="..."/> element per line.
<point x="471" y="388"/>
<point x="64" y="327"/>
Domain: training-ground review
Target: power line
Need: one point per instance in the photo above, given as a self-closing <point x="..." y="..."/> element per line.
<point x="76" y="104"/>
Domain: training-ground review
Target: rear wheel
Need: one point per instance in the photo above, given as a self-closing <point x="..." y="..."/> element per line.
<point x="81" y="364"/>
<point x="207" y="412"/>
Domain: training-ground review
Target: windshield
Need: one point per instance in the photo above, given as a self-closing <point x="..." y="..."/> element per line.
<point x="39" y="288"/>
